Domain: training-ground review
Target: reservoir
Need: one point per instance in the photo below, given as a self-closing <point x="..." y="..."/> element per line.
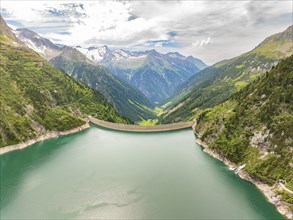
<point x="99" y="173"/>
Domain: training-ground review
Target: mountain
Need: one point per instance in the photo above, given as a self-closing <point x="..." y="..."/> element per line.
<point x="41" y="45"/>
<point x="214" y="84"/>
<point x="6" y="33"/>
<point x="36" y="97"/>
<point x="127" y="100"/>
<point x="156" y="75"/>
<point x="254" y="127"/>
<point x="95" y="54"/>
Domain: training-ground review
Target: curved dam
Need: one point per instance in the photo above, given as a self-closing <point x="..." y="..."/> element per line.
<point x="139" y="128"/>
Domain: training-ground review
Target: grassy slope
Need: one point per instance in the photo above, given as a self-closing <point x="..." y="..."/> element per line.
<point x="255" y="127"/>
<point x="36" y="97"/>
<point x="217" y="83"/>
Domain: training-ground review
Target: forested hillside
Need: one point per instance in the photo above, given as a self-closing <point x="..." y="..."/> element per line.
<point x="36" y="97"/>
<point x="127" y="100"/>
<point x="254" y="127"/>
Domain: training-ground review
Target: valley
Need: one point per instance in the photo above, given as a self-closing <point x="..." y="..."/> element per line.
<point x="133" y="82"/>
<point x="215" y="84"/>
<point x="124" y="109"/>
<point x="156" y="75"/>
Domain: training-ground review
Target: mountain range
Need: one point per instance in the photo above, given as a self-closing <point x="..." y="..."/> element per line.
<point x="131" y="81"/>
<point x="126" y="99"/>
<point x="216" y="83"/>
<point x="242" y="107"/>
<point x="156" y="75"/>
<point x="36" y="97"/>
<point x="242" y="110"/>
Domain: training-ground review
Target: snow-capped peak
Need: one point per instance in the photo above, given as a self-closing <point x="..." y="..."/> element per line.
<point x="120" y="54"/>
<point x="94" y="53"/>
<point x="103" y="53"/>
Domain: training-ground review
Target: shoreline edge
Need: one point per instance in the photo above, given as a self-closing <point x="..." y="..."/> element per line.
<point x="273" y="198"/>
<point x="47" y="135"/>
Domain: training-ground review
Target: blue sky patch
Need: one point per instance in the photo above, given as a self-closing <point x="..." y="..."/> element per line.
<point x="172" y="33"/>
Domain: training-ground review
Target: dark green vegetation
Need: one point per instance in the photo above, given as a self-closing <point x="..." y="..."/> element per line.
<point x="215" y="84"/>
<point x="36" y="97"/>
<point x="254" y="127"/>
<point x="127" y="100"/>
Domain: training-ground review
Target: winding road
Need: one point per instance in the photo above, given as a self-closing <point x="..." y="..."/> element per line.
<point x="139" y="128"/>
<point x="286" y="189"/>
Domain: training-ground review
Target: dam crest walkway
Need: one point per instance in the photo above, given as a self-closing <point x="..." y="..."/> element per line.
<point x="140" y="128"/>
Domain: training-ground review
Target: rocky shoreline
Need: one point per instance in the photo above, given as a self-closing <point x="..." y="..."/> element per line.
<point x="47" y="135"/>
<point x="268" y="191"/>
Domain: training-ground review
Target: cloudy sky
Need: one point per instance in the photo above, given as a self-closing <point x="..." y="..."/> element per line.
<point x="210" y="30"/>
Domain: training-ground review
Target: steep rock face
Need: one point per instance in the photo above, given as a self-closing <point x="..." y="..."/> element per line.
<point x="154" y="74"/>
<point x="214" y="84"/>
<point x="5" y="31"/>
<point x="36" y="97"/>
<point x="127" y="100"/>
<point x="41" y="45"/>
<point x="254" y="127"/>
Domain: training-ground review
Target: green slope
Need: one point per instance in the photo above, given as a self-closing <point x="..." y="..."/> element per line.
<point x="255" y="127"/>
<point x="36" y="97"/>
<point x="214" y="84"/>
<point x="119" y="93"/>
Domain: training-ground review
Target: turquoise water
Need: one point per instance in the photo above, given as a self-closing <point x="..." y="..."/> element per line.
<point x="98" y="174"/>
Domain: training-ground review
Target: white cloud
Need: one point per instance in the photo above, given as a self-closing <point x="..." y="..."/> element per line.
<point x="201" y="28"/>
<point x="202" y="42"/>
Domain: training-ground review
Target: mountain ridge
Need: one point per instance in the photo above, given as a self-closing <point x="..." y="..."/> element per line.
<point x="254" y="128"/>
<point x="154" y="74"/>
<point x="36" y="98"/>
<point x="127" y="100"/>
<point x="41" y="45"/>
<point x="214" y="84"/>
